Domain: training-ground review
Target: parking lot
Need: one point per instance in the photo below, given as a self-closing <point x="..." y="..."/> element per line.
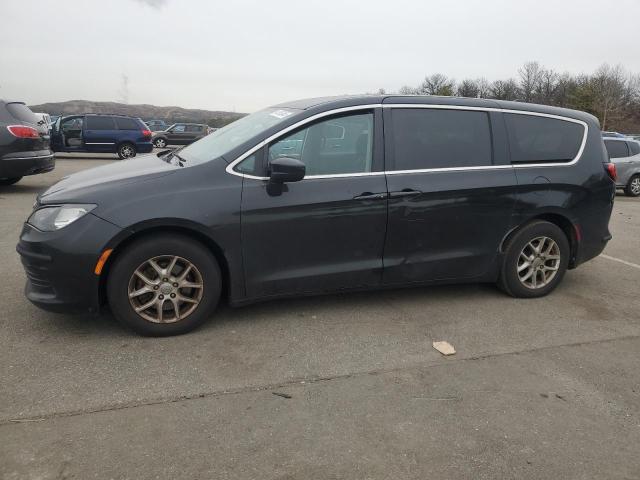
<point x="544" y="388"/>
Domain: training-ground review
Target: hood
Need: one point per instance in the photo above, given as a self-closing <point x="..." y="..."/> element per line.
<point x="89" y="184"/>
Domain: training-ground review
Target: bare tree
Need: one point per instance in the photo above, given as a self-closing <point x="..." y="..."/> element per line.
<point x="504" y="90"/>
<point x="530" y="74"/>
<point x="611" y="93"/>
<point x="468" y="88"/>
<point x="437" y="84"/>
<point x="407" y="90"/>
<point x="545" y="89"/>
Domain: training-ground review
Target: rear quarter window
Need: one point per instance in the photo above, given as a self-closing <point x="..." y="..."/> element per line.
<point x="21" y="112"/>
<point x="616" y="149"/>
<point x="634" y="148"/>
<point x="534" y="139"/>
<point x="127" y="124"/>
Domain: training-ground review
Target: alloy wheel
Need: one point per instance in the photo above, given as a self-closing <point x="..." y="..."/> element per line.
<point x="538" y="262"/>
<point x="635" y="186"/>
<point x="160" y="143"/>
<point x="165" y="289"/>
<point x="127" y="151"/>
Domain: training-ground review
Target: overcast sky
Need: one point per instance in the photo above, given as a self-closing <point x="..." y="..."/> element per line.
<point x="247" y="54"/>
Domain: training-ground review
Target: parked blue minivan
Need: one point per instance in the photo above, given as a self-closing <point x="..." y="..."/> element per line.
<point x="99" y="133"/>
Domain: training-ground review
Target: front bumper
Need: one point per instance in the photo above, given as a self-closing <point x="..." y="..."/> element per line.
<point x="60" y="265"/>
<point x="21" y="164"/>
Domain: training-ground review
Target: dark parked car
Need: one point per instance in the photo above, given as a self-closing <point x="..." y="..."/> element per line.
<point x="24" y="144"/>
<point x="96" y="133"/>
<point x="156" y="125"/>
<point x="180" y="134"/>
<point x="326" y="195"/>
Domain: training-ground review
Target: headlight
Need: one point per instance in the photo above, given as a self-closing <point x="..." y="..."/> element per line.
<point x="49" y="219"/>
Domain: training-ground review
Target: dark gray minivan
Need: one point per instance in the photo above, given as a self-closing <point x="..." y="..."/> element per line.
<point x="326" y="195"/>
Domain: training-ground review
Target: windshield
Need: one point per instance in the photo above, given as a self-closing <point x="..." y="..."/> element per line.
<point x="225" y="139"/>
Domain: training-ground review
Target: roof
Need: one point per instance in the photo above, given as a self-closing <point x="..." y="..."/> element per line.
<point x="325" y="103"/>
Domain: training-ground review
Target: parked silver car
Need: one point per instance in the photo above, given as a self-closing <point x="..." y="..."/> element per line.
<point x="625" y="154"/>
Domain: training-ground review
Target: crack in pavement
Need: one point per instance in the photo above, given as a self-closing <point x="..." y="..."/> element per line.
<point x="295" y="382"/>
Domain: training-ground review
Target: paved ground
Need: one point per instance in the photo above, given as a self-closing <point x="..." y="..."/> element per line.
<point x="546" y="388"/>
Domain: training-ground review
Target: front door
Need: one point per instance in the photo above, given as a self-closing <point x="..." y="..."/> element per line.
<point x="325" y="232"/>
<point x="451" y="196"/>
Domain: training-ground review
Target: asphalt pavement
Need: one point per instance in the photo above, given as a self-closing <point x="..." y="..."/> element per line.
<point x="341" y="386"/>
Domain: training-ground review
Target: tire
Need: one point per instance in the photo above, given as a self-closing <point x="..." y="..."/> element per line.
<point x="127" y="150"/>
<point x="545" y="272"/>
<point x="153" y="321"/>
<point x="159" y="143"/>
<point x="632" y="189"/>
<point x="9" y="181"/>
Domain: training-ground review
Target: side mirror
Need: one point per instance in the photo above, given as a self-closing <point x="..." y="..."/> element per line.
<point x="285" y="169"/>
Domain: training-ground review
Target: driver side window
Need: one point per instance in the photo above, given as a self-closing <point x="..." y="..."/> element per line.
<point x="335" y="146"/>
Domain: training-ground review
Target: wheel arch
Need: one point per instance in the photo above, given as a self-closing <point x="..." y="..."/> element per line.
<point x="146" y="229"/>
<point x="561" y="220"/>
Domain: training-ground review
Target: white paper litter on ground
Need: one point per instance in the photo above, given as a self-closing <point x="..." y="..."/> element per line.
<point x="444" y="348"/>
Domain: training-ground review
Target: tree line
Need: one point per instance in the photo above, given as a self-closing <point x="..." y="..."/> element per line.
<point x="610" y="93"/>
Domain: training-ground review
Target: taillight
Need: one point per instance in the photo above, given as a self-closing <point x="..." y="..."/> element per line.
<point x="611" y="170"/>
<point x="22" y="131"/>
<point x="146" y="133"/>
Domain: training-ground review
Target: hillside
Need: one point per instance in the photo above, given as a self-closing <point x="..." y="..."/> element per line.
<point x="146" y="112"/>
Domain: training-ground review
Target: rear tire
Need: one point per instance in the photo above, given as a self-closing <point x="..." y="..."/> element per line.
<point x="173" y="309"/>
<point x="9" y="181"/>
<point x="127" y="150"/>
<point x="535" y="260"/>
<point x="159" y="143"/>
<point x="632" y="189"/>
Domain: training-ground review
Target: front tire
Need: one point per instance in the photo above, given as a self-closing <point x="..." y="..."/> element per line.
<point x="164" y="285"/>
<point x="633" y="186"/>
<point x="126" y="150"/>
<point x="9" y="181"/>
<point x="535" y="260"/>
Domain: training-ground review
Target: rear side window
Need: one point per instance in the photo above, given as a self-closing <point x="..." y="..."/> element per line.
<point x="194" y="128"/>
<point x="126" y="124"/>
<point x="432" y="138"/>
<point x="616" y="149"/>
<point x="99" y="123"/>
<point x="21" y="112"/>
<point x="534" y="139"/>
<point x="634" y="148"/>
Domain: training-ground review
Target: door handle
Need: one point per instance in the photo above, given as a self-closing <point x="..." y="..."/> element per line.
<point x="370" y="196"/>
<point x="405" y="193"/>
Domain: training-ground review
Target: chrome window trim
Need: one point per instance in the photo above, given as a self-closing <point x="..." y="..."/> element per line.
<point x="230" y="167"/>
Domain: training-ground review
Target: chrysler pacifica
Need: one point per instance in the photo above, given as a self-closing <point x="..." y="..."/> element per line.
<point x="326" y="195"/>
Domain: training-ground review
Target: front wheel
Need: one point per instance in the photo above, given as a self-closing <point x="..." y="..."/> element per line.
<point x="164" y="285"/>
<point x="633" y="186"/>
<point x="9" y="181"/>
<point x="126" y="150"/>
<point x="535" y="260"/>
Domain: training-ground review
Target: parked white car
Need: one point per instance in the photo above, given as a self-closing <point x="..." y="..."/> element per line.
<point x="44" y="119"/>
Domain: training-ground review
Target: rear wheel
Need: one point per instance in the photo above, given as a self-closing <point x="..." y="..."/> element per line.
<point x="165" y="285"/>
<point x="159" y="143"/>
<point x="535" y="260"/>
<point x="633" y="186"/>
<point x="126" y="150"/>
<point x="9" y="181"/>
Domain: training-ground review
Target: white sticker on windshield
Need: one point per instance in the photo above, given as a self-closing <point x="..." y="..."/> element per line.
<point x="281" y="113"/>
